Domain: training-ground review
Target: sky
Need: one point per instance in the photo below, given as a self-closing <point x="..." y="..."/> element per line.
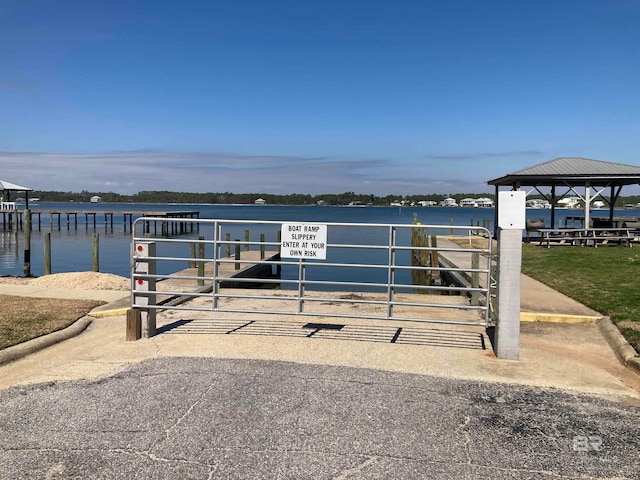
<point x="300" y="96"/>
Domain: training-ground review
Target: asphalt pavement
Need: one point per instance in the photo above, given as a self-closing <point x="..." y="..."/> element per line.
<point x="206" y="418"/>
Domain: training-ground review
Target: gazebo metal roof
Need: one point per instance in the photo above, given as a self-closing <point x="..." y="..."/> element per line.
<point x="571" y="172"/>
<point x="13" y="187"/>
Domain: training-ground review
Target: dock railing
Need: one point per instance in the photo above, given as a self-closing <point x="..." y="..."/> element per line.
<point x="358" y="271"/>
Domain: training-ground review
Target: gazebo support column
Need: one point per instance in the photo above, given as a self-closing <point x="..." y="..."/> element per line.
<point x="553" y="207"/>
<point x="587" y="204"/>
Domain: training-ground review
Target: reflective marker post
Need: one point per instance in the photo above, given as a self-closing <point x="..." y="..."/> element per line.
<point x="144" y="288"/>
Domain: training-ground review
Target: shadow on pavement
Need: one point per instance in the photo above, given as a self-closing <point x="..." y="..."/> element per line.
<point x="331" y="331"/>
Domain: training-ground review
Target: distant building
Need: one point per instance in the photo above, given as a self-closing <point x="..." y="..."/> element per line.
<point x="260" y="201"/>
<point x="449" y="202"/>
<point x="95" y="199"/>
<point x="468" y="202"/>
<point x="484" y="202"/>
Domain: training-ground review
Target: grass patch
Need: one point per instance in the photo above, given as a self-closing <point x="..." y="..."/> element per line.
<point x="606" y="279"/>
<point x="23" y="319"/>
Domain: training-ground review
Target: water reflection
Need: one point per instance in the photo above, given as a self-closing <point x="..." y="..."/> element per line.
<point x="9" y="250"/>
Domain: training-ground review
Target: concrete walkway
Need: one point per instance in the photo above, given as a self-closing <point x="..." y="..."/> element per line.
<point x="538" y="302"/>
<point x="559" y="355"/>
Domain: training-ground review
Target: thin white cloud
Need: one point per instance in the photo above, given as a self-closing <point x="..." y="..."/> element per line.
<point x="135" y="171"/>
<point x="476" y="156"/>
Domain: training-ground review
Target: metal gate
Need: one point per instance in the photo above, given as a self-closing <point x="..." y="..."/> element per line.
<point x="405" y="272"/>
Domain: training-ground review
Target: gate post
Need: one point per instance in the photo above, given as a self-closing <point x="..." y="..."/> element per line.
<point x="511" y="223"/>
<point x="144" y="288"/>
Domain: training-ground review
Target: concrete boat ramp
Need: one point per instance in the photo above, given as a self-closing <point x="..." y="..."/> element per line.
<point x="555" y="354"/>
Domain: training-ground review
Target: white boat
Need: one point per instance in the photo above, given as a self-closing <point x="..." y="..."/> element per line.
<point x="598" y="204"/>
<point x="427" y="203"/>
<point x="538" y="203"/>
<point x="569" y="202"/>
<point x="32" y="200"/>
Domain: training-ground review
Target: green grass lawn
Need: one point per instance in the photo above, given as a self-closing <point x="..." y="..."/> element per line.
<point x="606" y="279"/>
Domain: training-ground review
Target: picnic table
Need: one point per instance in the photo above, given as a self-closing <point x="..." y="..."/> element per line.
<point x="586" y="236"/>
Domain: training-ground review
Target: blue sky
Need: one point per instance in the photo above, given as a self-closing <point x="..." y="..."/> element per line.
<point x="381" y="97"/>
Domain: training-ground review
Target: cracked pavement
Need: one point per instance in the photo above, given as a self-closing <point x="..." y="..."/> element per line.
<point x="206" y="418"/>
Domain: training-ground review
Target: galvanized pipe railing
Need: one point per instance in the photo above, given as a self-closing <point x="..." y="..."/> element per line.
<point x="305" y="277"/>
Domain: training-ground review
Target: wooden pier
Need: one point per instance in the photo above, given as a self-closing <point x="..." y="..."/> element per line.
<point x="15" y="219"/>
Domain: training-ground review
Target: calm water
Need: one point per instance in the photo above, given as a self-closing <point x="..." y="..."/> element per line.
<point x="72" y="247"/>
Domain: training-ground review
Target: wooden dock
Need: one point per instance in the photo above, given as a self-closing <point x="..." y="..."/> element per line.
<point x="66" y="218"/>
<point x="180" y="286"/>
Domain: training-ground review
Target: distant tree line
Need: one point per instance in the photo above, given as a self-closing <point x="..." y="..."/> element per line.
<point x="345" y="198"/>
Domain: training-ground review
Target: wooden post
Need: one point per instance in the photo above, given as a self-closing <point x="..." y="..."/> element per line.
<point x="228" y="239"/>
<point x="134" y="324"/>
<point x="420" y="258"/>
<point x="201" y="262"/>
<point x="436" y="275"/>
<point x="96" y="252"/>
<point x="237" y="264"/>
<point x="193" y="263"/>
<point x="47" y="253"/>
<point x="27" y="242"/>
<point x="451" y="232"/>
<point x="475" y="278"/>
<point x="246" y="240"/>
<point x="262" y="246"/>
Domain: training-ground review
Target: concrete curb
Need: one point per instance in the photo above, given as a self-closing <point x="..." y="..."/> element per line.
<point x="21" y="350"/>
<point x="557" y="318"/>
<point x="625" y="352"/>
<point x="116" y="312"/>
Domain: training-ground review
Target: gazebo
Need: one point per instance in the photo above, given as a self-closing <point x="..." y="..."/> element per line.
<point x="582" y="177"/>
<point x="6" y="188"/>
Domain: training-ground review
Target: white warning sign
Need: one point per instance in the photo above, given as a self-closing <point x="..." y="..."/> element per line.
<point x="304" y="240"/>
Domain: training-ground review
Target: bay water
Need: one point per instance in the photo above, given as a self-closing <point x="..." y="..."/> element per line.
<point x="71" y="247"/>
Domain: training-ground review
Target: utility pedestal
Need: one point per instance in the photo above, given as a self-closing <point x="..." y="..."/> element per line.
<point x="511" y="223"/>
